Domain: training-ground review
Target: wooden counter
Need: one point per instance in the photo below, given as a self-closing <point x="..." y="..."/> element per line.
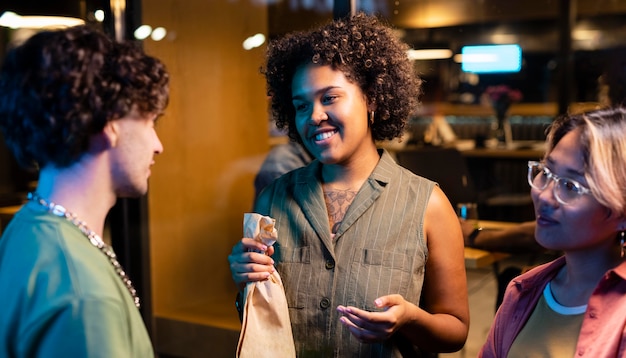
<point x="477" y="258"/>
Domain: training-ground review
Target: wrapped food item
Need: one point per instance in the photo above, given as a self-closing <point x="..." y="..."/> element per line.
<point x="265" y="328"/>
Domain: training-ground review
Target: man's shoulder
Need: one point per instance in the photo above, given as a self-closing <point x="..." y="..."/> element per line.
<point x="290" y="155"/>
<point x="297" y="175"/>
<point x="36" y="244"/>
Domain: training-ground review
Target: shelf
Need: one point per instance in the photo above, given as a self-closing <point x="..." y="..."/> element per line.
<point x="522" y="109"/>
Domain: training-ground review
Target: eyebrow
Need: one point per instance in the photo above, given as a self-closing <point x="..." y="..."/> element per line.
<point x="568" y="170"/>
<point x="316" y="93"/>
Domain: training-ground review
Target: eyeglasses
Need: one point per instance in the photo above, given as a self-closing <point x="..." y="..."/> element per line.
<point x="565" y="190"/>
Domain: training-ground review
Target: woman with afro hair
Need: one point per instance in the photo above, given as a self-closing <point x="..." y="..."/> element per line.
<point x="371" y="255"/>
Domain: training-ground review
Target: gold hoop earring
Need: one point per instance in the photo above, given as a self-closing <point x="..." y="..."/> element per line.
<point x="372" y="117"/>
<point x="622" y="243"/>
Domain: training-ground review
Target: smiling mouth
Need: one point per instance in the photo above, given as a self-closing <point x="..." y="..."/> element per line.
<point x="324" y="135"/>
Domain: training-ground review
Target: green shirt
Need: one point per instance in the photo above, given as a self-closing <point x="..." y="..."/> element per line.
<point x="60" y="295"/>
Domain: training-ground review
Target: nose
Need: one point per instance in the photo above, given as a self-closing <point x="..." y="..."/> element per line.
<point x="547" y="195"/>
<point x="318" y="115"/>
<point x="158" y="148"/>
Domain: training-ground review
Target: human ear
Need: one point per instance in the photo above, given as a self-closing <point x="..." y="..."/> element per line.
<point x="110" y="133"/>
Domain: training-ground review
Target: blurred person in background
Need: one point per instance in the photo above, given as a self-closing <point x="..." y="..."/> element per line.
<point x="281" y="159"/>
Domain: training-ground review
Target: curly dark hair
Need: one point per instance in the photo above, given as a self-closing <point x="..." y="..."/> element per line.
<point x="59" y="88"/>
<point x="369" y="54"/>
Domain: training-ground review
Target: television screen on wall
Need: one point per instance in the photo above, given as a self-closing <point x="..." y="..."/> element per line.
<point x="491" y="58"/>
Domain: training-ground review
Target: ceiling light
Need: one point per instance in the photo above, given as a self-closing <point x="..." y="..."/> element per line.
<point x="15" y="21"/>
<point x="158" y="34"/>
<point x="142" y="32"/>
<point x="429" y="54"/>
<point x="253" y="41"/>
<point x="99" y="15"/>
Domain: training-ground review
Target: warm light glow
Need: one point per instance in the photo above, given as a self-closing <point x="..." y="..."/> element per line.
<point x="438" y="14"/>
<point x="158" y="34"/>
<point x="585" y="35"/>
<point x="429" y="54"/>
<point x="15" y="21"/>
<point x="504" y="39"/>
<point x="99" y="15"/>
<point x="253" y="41"/>
<point x="142" y="32"/>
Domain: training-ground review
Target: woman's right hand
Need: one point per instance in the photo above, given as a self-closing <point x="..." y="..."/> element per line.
<point x="250" y="261"/>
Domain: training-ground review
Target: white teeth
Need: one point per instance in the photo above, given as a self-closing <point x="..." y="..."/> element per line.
<point x="324" y="135"/>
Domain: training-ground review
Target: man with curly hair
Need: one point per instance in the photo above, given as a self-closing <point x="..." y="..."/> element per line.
<point x="371" y="255"/>
<point x="81" y="109"/>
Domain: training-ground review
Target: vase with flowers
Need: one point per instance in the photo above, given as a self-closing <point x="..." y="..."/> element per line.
<point x="501" y="98"/>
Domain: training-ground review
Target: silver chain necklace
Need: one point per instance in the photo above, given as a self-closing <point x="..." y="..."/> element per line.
<point x="94" y="239"/>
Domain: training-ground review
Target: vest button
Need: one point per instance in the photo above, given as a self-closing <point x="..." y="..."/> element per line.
<point x="325" y="303"/>
<point x="330" y="264"/>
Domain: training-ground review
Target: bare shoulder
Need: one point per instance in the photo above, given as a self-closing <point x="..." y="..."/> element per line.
<point x="440" y="221"/>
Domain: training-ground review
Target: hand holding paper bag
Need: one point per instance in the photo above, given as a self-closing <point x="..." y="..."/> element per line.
<point x="266" y="328"/>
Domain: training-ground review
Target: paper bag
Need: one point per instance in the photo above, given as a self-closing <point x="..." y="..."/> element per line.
<point x="266" y="328"/>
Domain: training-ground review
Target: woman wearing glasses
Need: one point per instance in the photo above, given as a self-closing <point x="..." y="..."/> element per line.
<point x="574" y="305"/>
